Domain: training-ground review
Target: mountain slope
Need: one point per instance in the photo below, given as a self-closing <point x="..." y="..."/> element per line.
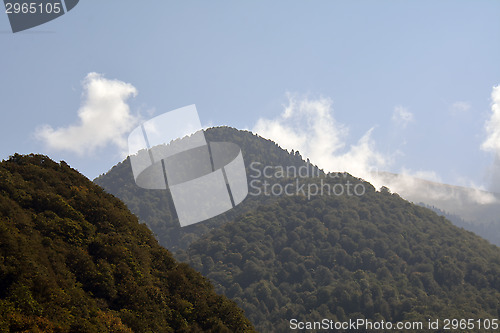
<point x="372" y="255"/>
<point x="375" y="256"/>
<point x="73" y="258"/>
<point x="155" y="208"/>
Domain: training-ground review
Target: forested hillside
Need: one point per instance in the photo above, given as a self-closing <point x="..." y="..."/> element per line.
<point x="155" y="208"/>
<point x="376" y="256"/>
<point x="74" y="259"/>
<point x="339" y="257"/>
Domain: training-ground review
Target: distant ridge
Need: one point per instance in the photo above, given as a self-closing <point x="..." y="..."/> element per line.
<point x="472" y="209"/>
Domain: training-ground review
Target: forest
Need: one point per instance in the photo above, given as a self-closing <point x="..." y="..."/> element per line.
<point x="155" y="207"/>
<point x="376" y="257"/>
<point x="373" y="256"/>
<point x="74" y="259"/>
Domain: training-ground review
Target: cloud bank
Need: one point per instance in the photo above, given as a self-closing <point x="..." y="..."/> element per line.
<point x="103" y="119"/>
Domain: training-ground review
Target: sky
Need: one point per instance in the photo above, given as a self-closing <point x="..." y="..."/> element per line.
<point x="402" y="86"/>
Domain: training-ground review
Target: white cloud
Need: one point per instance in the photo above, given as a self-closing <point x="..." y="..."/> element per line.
<point x="402" y="116"/>
<point x="460" y="107"/>
<point x="492" y="142"/>
<point x="469" y="202"/>
<point x="308" y="125"/>
<point x="104" y="118"/>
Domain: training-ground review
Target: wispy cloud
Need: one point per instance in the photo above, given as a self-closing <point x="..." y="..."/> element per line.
<point x="460" y="107"/>
<point x="103" y="119"/>
<point x="402" y="116"/>
<point x="308" y="125"/>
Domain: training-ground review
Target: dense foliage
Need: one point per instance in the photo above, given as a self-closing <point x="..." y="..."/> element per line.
<point x="155" y="207"/>
<point x="73" y="258"/>
<point x="374" y="256"/>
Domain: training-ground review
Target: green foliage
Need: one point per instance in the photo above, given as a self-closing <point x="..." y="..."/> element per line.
<point x="399" y="262"/>
<point x="156" y="209"/>
<point x="74" y="259"/>
<point x="375" y="256"/>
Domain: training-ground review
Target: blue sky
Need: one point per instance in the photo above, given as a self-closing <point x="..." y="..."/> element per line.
<point x="414" y="78"/>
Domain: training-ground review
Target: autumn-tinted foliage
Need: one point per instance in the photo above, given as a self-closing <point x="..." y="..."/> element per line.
<point x="73" y="258"/>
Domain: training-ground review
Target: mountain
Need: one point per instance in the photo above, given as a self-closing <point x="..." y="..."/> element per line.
<point x="155" y="207"/>
<point x="338" y="255"/>
<point x="74" y="259"/>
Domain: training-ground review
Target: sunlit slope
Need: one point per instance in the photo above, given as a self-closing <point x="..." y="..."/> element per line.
<point x="74" y="259"/>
